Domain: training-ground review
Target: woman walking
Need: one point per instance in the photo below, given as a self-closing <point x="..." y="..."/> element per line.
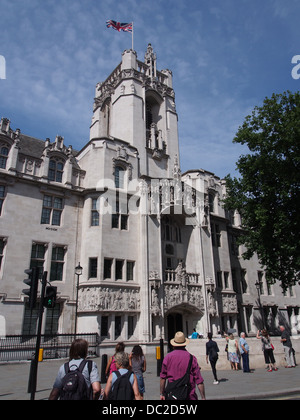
<point x="111" y="364"/>
<point x="137" y="361"/>
<point x="267" y="348"/>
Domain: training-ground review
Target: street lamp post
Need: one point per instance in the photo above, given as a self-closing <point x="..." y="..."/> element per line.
<point x="78" y="272"/>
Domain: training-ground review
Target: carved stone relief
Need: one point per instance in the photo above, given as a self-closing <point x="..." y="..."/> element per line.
<point x="175" y="294"/>
<point x="229" y="303"/>
<point x="155" y="305"/>
<point x="94" y="299"/>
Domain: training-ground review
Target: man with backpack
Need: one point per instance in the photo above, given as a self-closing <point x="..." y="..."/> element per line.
<point x="122" y="384"/>
<point x="182" y="372"/>
<point x="79" y="378"/>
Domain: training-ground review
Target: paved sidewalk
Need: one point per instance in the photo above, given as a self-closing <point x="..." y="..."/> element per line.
<point x="233" y="385"/>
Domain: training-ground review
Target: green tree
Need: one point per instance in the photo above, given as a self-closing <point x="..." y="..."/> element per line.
<point x="267" y="193"/>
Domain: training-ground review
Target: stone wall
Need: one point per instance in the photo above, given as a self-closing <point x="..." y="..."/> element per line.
<point x="198" y="348"/>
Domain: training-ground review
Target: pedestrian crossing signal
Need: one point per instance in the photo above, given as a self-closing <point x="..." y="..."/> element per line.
<point x="50" y="297"/>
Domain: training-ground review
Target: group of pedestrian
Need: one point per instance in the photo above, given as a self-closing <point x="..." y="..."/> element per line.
<point x="79" y="378"/>
<point x="180" y="373"/>
<point x="236" y="348"/>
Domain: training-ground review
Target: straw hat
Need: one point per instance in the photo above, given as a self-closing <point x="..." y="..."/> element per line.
<point x="179" y="340"/>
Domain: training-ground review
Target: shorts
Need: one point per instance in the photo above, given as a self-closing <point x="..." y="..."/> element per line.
<point x="269" y="356"/>
<point x="141" y="384"/>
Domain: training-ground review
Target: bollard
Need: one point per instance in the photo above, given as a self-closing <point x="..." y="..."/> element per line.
<point x="41" y="354"/>
<point x="103" y="367"/>
<point x="158" y="359"/>
<point x="160" y="355"/>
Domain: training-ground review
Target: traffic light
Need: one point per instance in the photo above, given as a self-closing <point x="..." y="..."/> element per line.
<point x="50" y="297"/>
<point x="33" y="283"/>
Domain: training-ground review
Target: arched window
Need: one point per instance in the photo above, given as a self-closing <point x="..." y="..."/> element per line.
<point x="56" y="170"/>
<point x="149" y="116"/>
<point x="153" y="119"/>
<point x="3" y="157"/>
<point x="119" y="177"/>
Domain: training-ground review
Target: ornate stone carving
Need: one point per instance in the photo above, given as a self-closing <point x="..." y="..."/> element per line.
<point x="155" y="305"/>
<point x="182" y="287"/>
<point x="229" y="304"/>
<point x="211" y="303"/>
<point x="95" y="299"/>
<point x="175" y="294"/>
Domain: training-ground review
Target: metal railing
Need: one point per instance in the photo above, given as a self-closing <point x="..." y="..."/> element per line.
<point x="22" y="347"/>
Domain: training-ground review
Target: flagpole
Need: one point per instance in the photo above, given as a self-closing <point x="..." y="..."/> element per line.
<point x="132" y="37"/>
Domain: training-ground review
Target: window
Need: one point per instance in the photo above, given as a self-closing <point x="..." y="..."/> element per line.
<point x="234" y="246"/>
<point x="119" y="177"/>
<point x="93" y="266"/>
<point x="2" y="245"/>
<point x="169" y="249"/>
<point x="149" y="116"/>
<point x="130" y="326"/>
<point x="29" y="321"/>
<point x="130" y="271"/>
<point x="216" y="235"/>
<point x="2" y="196"/>
<point x="38" y="257"/>
<point x="234" y="281"/>
<point x="211" y="202"/>
<point x="119" y="219"/>
<point x="170" y="230"/>
<point x="3" y="157"/>
<point x="244" y="281"/>
<point x="226" y="280"/>
<point x="104" y="326"/>
<point x="119" y="269"/>
<point x="107" y="268"/>
<point x="57" y="263"/>
<point x="219" y="280"/>
<point x="56" y="170"/>
<point x="118" y="326"/>
<point x="52" y="210"/>
<point x="52" y="320"/>
<point x="260" y="281"/>
<point x="95" y="213"/>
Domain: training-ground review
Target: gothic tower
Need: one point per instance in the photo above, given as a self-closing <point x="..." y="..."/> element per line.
<point x="136" y="104"/>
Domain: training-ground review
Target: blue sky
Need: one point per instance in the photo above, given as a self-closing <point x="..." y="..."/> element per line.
<point x="226" y="57"/>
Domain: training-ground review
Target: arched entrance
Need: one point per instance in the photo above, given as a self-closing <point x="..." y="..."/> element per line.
<point x="183" y="317"/>
<point x="174" y="324"/>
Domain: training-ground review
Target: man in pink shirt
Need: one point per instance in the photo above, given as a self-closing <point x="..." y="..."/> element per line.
<point x="175" y="365"/>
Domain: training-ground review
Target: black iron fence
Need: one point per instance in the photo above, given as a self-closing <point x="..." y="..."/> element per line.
<point x="22" y="347"/>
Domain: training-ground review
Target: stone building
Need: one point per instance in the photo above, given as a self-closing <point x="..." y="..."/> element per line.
<point x="158" y="250"/>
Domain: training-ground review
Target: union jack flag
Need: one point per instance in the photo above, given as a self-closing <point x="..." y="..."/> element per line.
<point x="126" y="27"/>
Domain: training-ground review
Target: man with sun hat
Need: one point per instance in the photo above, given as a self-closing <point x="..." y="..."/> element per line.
<point x="175" y="365"/>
